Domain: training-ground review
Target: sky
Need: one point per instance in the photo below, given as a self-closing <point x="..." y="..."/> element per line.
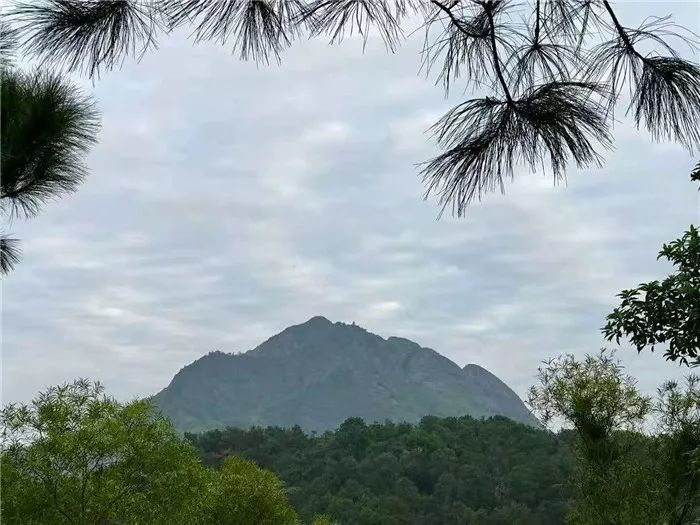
<point x="227" y="201"/>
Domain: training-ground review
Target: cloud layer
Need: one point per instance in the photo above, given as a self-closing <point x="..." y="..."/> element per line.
<point x="227" y="202"/>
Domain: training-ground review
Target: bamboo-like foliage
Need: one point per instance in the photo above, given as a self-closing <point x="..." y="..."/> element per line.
<point x="554" y="69"/>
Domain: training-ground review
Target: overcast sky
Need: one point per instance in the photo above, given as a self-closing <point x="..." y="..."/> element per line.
<point x="227" y="201"/>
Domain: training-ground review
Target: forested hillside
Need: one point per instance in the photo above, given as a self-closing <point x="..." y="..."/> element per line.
<point x="451" y="470"/>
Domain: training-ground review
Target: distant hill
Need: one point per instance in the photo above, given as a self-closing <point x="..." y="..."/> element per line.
<point x="318" y="374"/>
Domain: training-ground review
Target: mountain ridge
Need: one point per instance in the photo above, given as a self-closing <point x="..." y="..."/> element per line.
<point x="318" y="373"/>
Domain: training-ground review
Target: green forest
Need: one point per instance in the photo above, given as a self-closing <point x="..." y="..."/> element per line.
<point x="75" y="455"/>
<point x="605" y="453"/>
<point x="496" y="471"/>
<point x="442" y="470"/>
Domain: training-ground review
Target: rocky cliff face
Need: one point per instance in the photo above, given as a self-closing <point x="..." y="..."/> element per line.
<point x="319" y="373"/>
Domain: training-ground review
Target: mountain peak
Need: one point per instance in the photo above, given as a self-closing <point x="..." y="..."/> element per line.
<point x="317" y="374"/>
<point x="318" y="320"/>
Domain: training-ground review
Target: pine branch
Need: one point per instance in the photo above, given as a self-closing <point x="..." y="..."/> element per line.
<point x="456" y="21"/>
<point x="666" y="90"/>
<point x="48" y="127"/>
<point x="488" y="8"/>
<point x="621" y="31"/>
<point x="338" y="17"/>
<point x="485" y="138"/>
<point x="87" y="35"/>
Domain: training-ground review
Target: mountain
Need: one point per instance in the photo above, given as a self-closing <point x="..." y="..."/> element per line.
<point x="319" y="373"/>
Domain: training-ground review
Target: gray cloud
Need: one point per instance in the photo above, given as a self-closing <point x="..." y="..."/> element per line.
<point x="227" y="201"/>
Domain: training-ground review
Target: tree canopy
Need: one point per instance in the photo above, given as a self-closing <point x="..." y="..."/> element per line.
<point x="441" y="470"/>
<point x="243" y="493"/>
<point x="76" y="456"/>
<point x="664" y="312"/>
<point x="623" y="475"/>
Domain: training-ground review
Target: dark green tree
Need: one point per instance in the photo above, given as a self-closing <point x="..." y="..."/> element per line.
<point x="453" y="470"/>
<point x="664" y="312"/>
<point x="553" y="70"/>
<point x="47" y="128"/>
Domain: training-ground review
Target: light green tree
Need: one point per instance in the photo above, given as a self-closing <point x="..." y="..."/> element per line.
<point x="678" y="408"/>
<point x="623" y="476"/>
<point x="74" y="455"/>
<point x="241" y="492"/>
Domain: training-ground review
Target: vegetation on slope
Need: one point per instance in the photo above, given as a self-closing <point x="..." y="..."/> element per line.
<point x="452" y="470"/>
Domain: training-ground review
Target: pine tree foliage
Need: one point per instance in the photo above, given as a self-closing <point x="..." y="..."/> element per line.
<point x="48" y="127"/>
<point x="553" y="69"/>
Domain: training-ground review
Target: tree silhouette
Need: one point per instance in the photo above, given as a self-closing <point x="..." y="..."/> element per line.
<point x="47" y="128"/>
<point x="554" y="69"/>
